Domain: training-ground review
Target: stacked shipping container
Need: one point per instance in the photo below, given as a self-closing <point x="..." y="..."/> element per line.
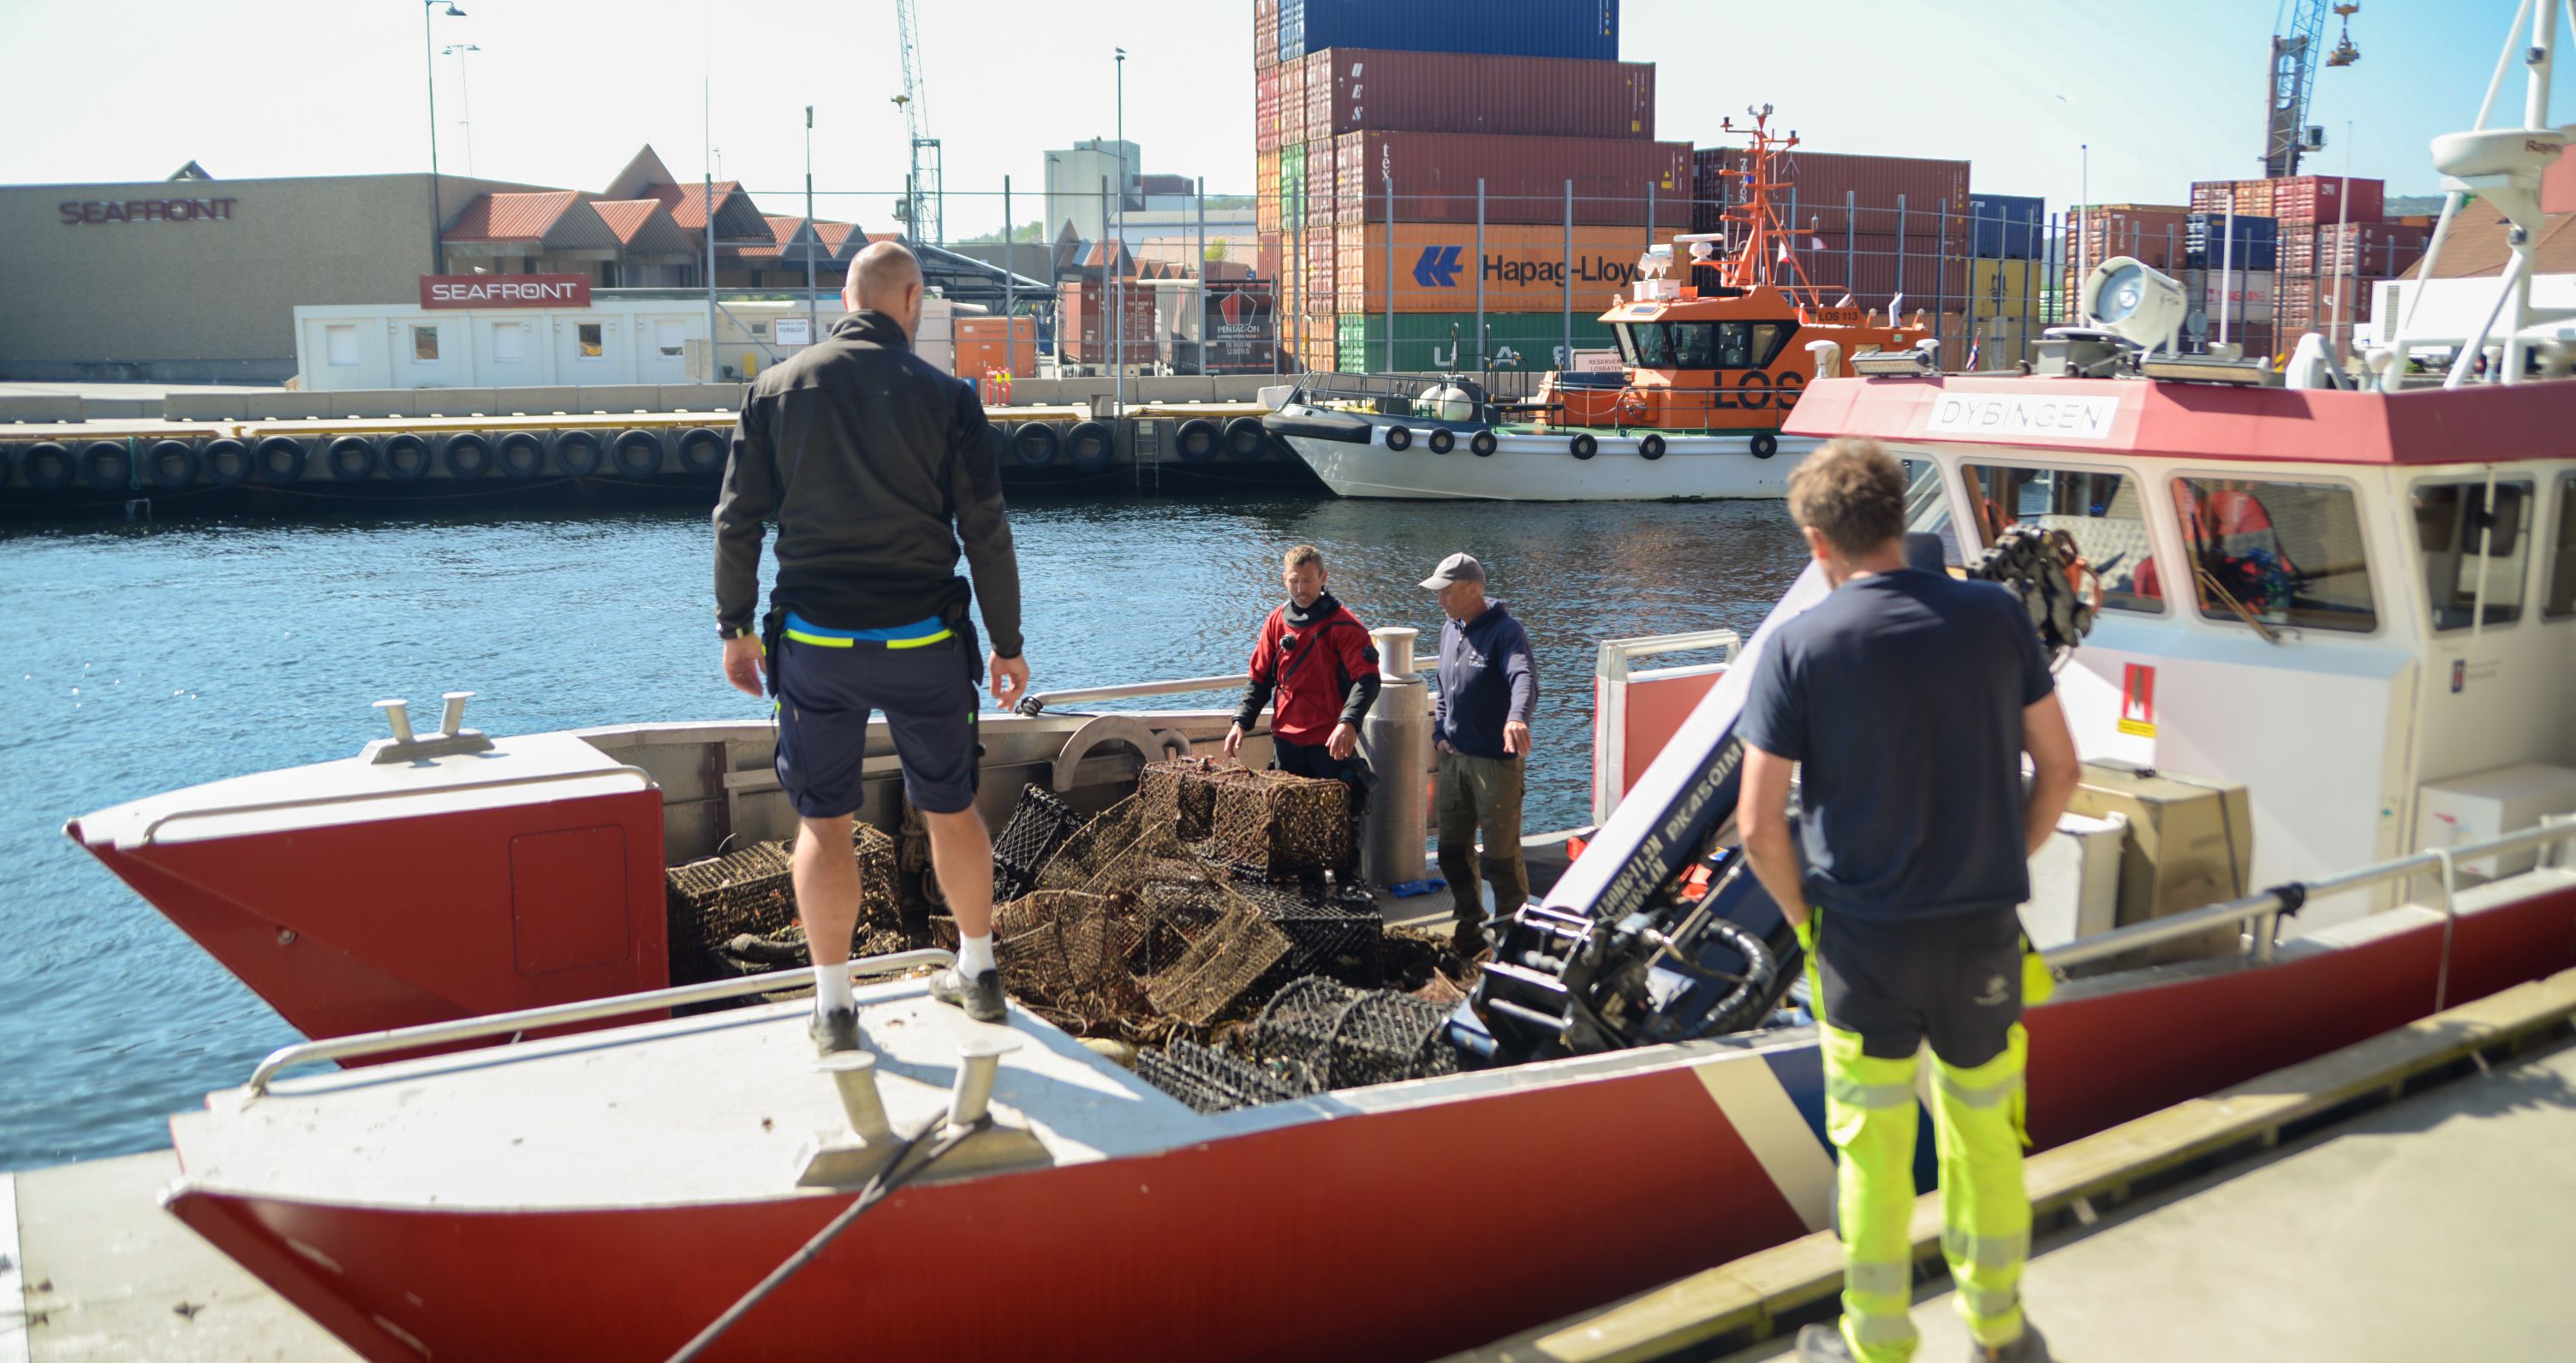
<point x="2332" y="241"/>
<point x="1426" y="98"/>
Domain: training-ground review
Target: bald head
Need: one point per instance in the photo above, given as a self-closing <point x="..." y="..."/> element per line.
<point x="886" y="278"/>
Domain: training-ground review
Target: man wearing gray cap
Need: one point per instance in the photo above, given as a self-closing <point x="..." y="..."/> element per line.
<point x="1480" y="722"/>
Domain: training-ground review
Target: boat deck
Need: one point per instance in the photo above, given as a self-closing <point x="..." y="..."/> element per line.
<point x="2403" y="1232"/>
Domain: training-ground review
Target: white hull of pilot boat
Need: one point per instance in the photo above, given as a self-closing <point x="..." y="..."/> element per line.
<point x="1529" y="467"/>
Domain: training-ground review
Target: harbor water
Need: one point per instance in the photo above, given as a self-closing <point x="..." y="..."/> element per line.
<point x="137" y="660"/>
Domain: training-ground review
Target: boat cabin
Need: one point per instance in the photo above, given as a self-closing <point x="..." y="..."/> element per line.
<point x="2360" y="606"/>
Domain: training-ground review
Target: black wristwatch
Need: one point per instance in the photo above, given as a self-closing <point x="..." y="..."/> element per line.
<point x="738" y="632"/>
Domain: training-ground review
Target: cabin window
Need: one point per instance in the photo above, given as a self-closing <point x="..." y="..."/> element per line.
<point x="2473" y="561"/>
<point x="1927" y="508"/>
<point x="2561" y="601"/>
<point x="2102" y="512"/>
<point x="2279" y="554"/>
<point x="1702" y="345"/>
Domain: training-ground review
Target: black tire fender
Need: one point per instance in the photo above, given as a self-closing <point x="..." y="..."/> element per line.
<point x="1399" y="439"/>
<point x="521" y="454"/>
<point x="1442" y="441"/>
<point x="1583" y="445"/>
<point x="1197" y="440"/>
<point x="170" y="465"/>
<point x="107" y="465"/>
<point x="468" y="456"/>
<point x="637" y="453"/>
<point x="406" y="456"/>
<point x="49" y="466"/>
<point x="350" y="458"/>
<point x="1765" y="444"/>
<point x="702" y="451"/>
<point x="1651" y="446"/>
<point x="1035" y="444"/>
<point x="1091" y="444"/>
<point x="227" y="461"/>
<point x="279" y="459"/>
<point x="1246" y="437"/>
<point x="1483" y="444"/>
<point x="575" y="452"/>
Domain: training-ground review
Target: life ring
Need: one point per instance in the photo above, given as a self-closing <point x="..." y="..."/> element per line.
<point x="1197" y="440"/>
<point x="1442" y="441"/>
<point x="1583" y="446"/>
<point x="702" y="451"/>
<point x="406" y="457"/>
<point x="576" y="452"/>
<point x="1034" y="444"/>
<point x="1765" y="444"/>
<point x="1090" y="444"/>
<point x="1652" y="446"/>
<point x="468" y="456"/>
<point x="227" y="461"/>
<point x="1630" y="410"/>
<point x="48" y="465"/>
<point x="637" y="453"/>
<point x="521" y="454"/>
<point x="350" y="459"/>
<point x="1483" y="444"/>
<point x="1245" y="438"/>
<point x="107" y="465"/>
<point x="1398" y="439"/>
<point x="172" y="464"/>
<point x="279" y="459"/>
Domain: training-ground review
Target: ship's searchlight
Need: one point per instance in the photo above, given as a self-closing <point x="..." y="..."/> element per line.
<point x="2136" y="303"/>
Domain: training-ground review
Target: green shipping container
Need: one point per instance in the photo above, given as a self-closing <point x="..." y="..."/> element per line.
<point x="1292" y="181"/>
<point x="1423" y="340"/>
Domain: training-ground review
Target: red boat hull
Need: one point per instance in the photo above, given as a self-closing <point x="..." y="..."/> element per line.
<point x="1320" y="1239"/>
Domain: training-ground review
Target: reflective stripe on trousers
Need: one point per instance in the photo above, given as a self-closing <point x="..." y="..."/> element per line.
<point x="1977" y="1126"/>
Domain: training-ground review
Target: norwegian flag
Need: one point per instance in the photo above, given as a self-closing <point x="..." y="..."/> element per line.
<point x="1973" y="343"/>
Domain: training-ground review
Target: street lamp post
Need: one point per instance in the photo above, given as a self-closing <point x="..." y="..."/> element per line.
<point x="465" y="91"/>
<point x="1118" y="246"/>
<point x="429" y="67"/>
<point x="810" y="233"/>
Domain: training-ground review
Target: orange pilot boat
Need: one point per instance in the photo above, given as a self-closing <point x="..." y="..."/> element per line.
<point x="1714" y="347"/>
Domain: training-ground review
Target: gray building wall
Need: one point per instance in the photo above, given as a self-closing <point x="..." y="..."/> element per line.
<point x="205" y="300"/>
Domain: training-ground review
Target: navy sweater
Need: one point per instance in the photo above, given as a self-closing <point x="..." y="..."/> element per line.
<point x="1486" y="680"/>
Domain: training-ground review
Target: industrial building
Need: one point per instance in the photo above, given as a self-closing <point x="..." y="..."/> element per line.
<point x="197" y="279"/>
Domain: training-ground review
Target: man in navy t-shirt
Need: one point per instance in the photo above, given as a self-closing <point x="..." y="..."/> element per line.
<point x="1906" y="700"/>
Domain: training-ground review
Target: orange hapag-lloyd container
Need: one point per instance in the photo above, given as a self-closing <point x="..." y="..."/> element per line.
<point x="996" y="345"/>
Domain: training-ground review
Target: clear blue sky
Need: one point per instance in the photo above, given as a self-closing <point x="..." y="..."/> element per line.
<point x="563" y="92"/>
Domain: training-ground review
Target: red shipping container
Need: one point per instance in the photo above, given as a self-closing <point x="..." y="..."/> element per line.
<point x="1084" y="323"/>
<point x="1292" y="102"/>
<point x="2364" y="250"/>
<point x="1266" y="204"/>
<point x="2320" y="199"/>
<point x="1268" y="254"/>
<point x="1358" y="89"/>
<point x="1265" y="34"/>
<point x="1321" y="181"/>
<point x="1435" y="177"/>
<point x="1823" y="182"/>
<point x="2152" y="233"/>
<point x="1265" y="110"/>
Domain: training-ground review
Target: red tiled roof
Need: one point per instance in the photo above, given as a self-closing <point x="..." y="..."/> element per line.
<point x="688" y="202"/>
<point x="626" y="217"/>
<point x="834" y="233"/>
<point x="511" y="217"/>
<point x="783" y="230"/>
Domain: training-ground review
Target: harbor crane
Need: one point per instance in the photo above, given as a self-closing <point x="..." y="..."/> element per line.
<point x="2298" y="32"/>
<point x="922" y="207"/>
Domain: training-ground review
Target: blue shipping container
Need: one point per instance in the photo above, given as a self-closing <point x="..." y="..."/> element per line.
<point x="2006" y="226"/>
<point x="2258" y="242"/>
<point x="1587" y="29"/>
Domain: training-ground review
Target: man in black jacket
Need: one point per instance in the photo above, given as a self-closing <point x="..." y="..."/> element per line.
<point x="873" y="463"/>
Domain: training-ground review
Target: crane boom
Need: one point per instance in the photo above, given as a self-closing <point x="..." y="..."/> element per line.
<point x="2291" y="79"/>
<point x="924" y="205"/>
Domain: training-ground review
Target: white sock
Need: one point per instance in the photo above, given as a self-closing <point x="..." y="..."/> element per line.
<point x="832" y="989"/>
<point x="974" y="955"/>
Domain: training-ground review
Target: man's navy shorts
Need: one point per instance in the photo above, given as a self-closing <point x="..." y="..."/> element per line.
<point x="824" y="699"/>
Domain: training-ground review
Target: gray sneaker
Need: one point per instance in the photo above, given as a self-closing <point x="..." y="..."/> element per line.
<point x="2027" y="1348"/>
<point x="833" y="1032"/>
<point x="1823" y="1344"/>
<point x="981" y="996"/>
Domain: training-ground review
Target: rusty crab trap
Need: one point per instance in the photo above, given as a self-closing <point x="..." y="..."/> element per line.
<point x="1267" y="823"/>
<point x="736" y="914"/>
<point x="1040" y="823"/>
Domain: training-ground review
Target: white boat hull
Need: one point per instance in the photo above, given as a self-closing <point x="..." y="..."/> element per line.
<point x="1541" y="468"/>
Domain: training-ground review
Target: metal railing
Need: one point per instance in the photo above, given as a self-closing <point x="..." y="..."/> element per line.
<point x="1610" y="729"/>
<point x="566" y="1014"/>
<point x="2261" y="912"/>
<point x="1037" y="702"/>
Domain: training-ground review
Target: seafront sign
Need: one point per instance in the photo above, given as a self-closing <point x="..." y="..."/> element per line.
<point x="84" y="213"/>
<point x="504" y="291"/>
